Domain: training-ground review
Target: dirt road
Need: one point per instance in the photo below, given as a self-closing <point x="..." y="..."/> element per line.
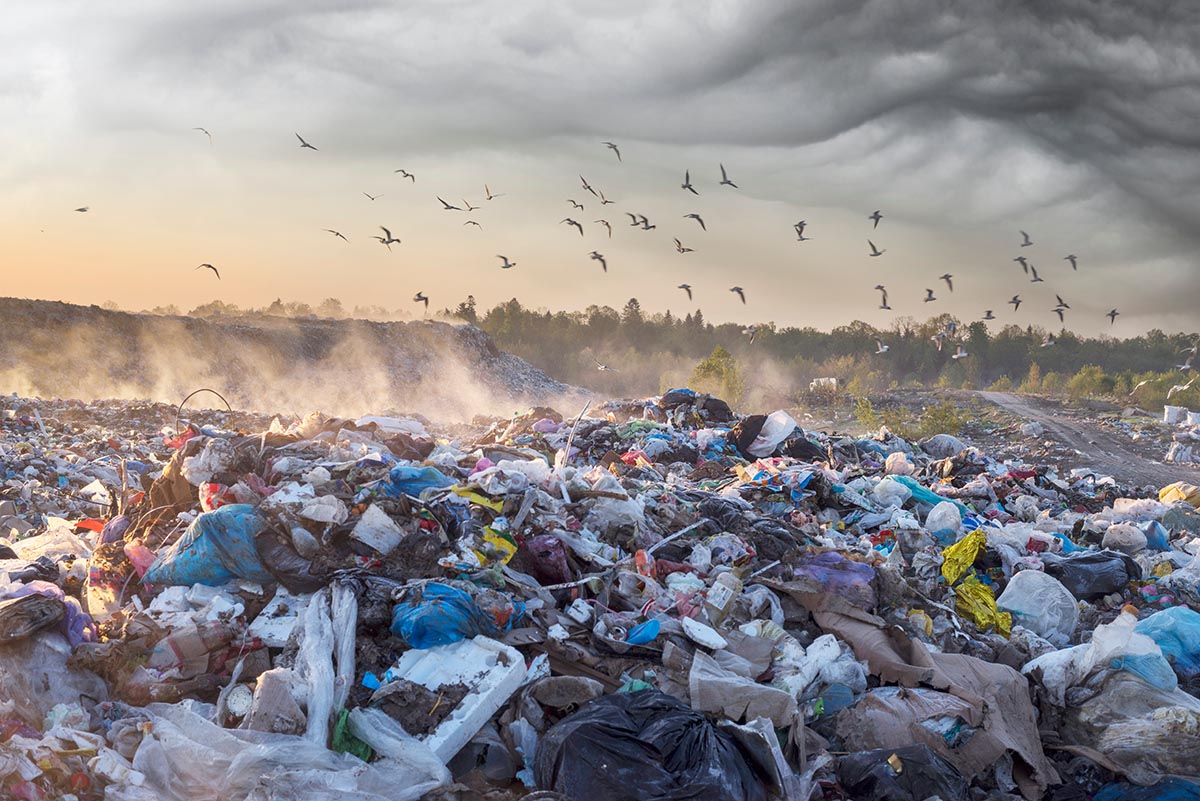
<point x="1107" y="452"/>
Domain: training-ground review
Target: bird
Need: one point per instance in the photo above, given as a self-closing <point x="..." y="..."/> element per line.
<point x="929" y="296"/>
<point x="800" y="227"/>
<point x="575" y="205"/>
<point x="951" y="327"/>
<point x="633" y="217"/>
<point x="1059" y="311"/>
<point x="421" y="298"/>
<point x="613" y="148"/>
<point x="487" y="193"/>
<point x="680" y="248"/>
<point x="686" y="288"/>
<point x="938" y="339"/>
<point x="372" y="197"/>
<point x="1112" y="316"/>
<point x="881" y="348"/>
<point x="1023" y="262"/>
<point x="406" y="174"/>
<point x="1062" y="304"/>
<point x="876" y="217"/>
<point x="205" y="132"/>
<point x="507" y="264"/>
<point x="883" y="304"/>
<point x="595" y="256"/>
<point x="387" y="238"/>
<point x="646" y="226"/>
<point x="874" y="250"/>
<point x="1016" y="302"/>
<point x="752" y="331"/>
<point x="304" y="144"/>
<point x="697" y="218"/>
<point x="800" y="237"/>
<point x="446" y="206"/>
<point x="607" y="225"/>
<point x="603" y="200"/>
<point x="214" y="269"/>
<point x="1037" y="279"/>
<point x="1139" y="385"/>
<point x="961" y="353"/>
<point x="987" y="315"/>
<point x="1071" y="259"/>
<point x="601" y="366"/>
<point x="1049" y="341"/>
<point x="1027" y="241"/>
<point x="950" y="283"/>
<point x="335" y="233"/>
<point x="740" y="292"/>
<point x="569" y="221"/>
<point x="1180" y="388"/>
<point x="472" y="222"/>
<point x="82" y="209"/>
<point x="468" y="205"/>
<point x="1187" y="364"/>
<point x="687" y="183"/>
<point x="725" y="178"/>
<point x="587" y="186"/>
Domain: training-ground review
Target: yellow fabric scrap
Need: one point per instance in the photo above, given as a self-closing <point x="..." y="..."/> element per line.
<point x="959" y="557"/>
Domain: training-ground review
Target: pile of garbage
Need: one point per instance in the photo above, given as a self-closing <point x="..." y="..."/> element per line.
<point x="653" y="599"/>
<point x="1175" y="437"/>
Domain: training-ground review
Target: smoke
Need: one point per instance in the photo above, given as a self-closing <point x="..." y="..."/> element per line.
<point x="267" y="364"/>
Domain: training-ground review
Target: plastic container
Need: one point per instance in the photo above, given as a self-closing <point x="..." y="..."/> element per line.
<point x="1174" y="414"/>
<point x="720" y="597"/>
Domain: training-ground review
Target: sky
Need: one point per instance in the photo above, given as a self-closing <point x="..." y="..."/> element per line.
<point x="963" y="123"/>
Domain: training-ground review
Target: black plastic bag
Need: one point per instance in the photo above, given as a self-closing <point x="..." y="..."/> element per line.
<point x="915" y="774"/>
<point x="279" y="556"/>
<point x="1090" y="576"/>
<point x="643" y="746"/>
<point x="744" y="432"/>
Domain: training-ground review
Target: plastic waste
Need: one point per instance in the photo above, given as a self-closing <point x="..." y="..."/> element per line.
<point x="913" y="773"/>
<point x="1041" y="604"/>
<point x="217" y="546"/>
<point x="833" y="573"/>
<point x="1094" y="574"/>
<point x="944" y="522"/>
<point x="1176" y="631"/>
<point x="775" y="429"/>
<point x="1124" y="537"/>
<point x="440" y="615"/>
<point x="407" y="480"/>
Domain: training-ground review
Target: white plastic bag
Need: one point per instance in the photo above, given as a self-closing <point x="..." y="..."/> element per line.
<point x="890" y="492"/>
<point x="944" y="517"/>
<point x="314" y="663"/>
<point x="1041" y="603"/>
<point x="776" y="428"/>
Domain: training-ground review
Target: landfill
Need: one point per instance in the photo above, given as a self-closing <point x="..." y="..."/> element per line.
<point x="646" y="599"/>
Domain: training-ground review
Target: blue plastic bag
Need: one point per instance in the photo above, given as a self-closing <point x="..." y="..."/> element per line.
<point x="217" y="547"/>
<point x="408" y="480"/>
<point x="1157" y="538"/>
<point x="441" y="615"/>
<point x="1177" y="632"/>
<point x="1169" y="789"/>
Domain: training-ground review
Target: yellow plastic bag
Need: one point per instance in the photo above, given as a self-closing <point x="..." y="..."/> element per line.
<point x="1180" y="491"/>
<point x="976" y="601"/>
<point x="959" y="557"/>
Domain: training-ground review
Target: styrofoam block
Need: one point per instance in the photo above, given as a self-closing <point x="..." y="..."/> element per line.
<point x="274" y="628"/>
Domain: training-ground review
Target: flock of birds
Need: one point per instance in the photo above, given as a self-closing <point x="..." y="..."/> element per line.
<point x="641" y="222"/>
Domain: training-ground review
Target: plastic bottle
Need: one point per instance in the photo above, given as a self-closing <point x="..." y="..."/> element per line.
<point x="720" y="597"/>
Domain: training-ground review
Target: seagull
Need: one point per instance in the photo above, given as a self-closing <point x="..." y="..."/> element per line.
<point x="1037" y="279"/>
<point x="469" y="207"/>
<point x="1062" y="304"/>
<point x="800" y="227"/>
<point x="587" y="186"/>
<point x="1139" y="385"/>
<point x="600" y="258"/>
<point x="752" y="331"/>
<point x="725" y="178"/>
<point x="205" y="132"/>
<point x="304" y="144"/>
<point x="884" y="303"/>
<point x="472" y="222"/>
<point x="82" y="209"/>
<point x="929" y="296"/>
<point x="881" y="348"/>
<point x="569" y="221"/>
<point x="1027" y="241"/>
<point x="800" y="237"/>
<point x="947" y="278"/>
<point x="387" y="238"/>
<point x="1112" y="316"/>
<point x="680" y="248"/>
<point x="1187" y="364"/>
<point x="406" y="174"/>
<point x="876" y="217"/>
<point x="446" y="206"/>
<point x="1024" y="264"/>
<point x="214" y="269"/>
<point x="687" y="182"/>
<point x="574" y="204"/>
<point x="633" y="217"/>
<point x="646" y="226"/>
<point x="874" y="250"/>
<point x="987" y="315"/>
<point x="372" y="197"/>
<point x="507" y="264"/>
<point x="1071" y="259"/>
<point x="1016" y="302"/>
<point x="420" y="298"/>
<point x="686" y="288"/>
<point x="335" y="233"/>
<point x="1059" y="312"/>
<point x="613" y="148"/>
<point x="603" y="200"/>
<point x="1048" y="341"/>
<point x="961" y="353"/>
<point x="601" y="366"/>
<point x="938" y="339"/>
<point x="487" y="193"/>
<point x="740" y="293"/>
<point x="951" y="327"/>
<point x="607" y="225"/>
<point x="697" y="218"/>
<point x="1180" y="388"/>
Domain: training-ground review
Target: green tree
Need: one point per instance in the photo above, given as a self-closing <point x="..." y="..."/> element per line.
<point x="720" y="375"/>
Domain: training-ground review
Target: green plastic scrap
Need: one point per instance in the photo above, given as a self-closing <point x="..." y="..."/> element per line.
<point x="346" y="743"/>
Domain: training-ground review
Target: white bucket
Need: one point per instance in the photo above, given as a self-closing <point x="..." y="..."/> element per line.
<point x="1173" y="414"/>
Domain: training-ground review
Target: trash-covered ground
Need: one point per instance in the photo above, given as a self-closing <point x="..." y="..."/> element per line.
<point x="656" y="599"/>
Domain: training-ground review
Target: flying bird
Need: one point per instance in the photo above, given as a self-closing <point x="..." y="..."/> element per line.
<point x="800" y="227"/>
<point x="1139" y="385"/>
<point x="874" y="250"/>
<point x="406" y="174"/>
<point x="372" y="197"/>
<point x="752" y="331"/>
<point x="83" y="209"/>
<point x="487" y="193"/>
<point x="680" y="248"/>
<point x="304" y="144"/>
<point x="646" y="226"/>
<point x="725" y="178"/>
<point x="607" y="225"/>
<point x="595" y="256"/>
<point x="1059" y="311"/>
<point x="1112" y="316"/>
<point x="210" y="267"/>
<point x="740" y="292"/>
<point x="961" y="353"/>
<point x="472" y="222"/>
<point x="987" y="315"/>
<point x="335" y="233"/>
<point x="1027" y="241"/>
<point x="686" y="288"/>
<point x="468" y="205"/>
<point x="1071" y="259"/>
<point x="1037" y="279"/>
<point x="569" y="221"/>
<point x="929" y="296"/>
<point x="507" y="264"/>
<point x="876" y="217"/>
<point x="697" y="218"/>
<point x="446" y="206"/>
<point x="1062" y="304"/>
<point x="613" y="148"/>
<point x="387" y="238"/>
<point x="1016" y="302"/>
<point x="938" y="339"/>
<point x="1180" y="388"/>
<point x="800" y="237"/>
<point x="587" y="186"/>
<point x="1049" y="341"/>
<point x="421" y="298"/>
<point x="603" y="200"/>
<point x="601" y="366"/>
<point x="1023" y="262"/>
<point x="881" y="348"/>
<point x="883" y="304"/>
<point x="633" y="217"/>
<point x="575" y="205"/>
<point x="687" y="183"/>
<point x="950" y="283"/>
<point x="205" y="132"/>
